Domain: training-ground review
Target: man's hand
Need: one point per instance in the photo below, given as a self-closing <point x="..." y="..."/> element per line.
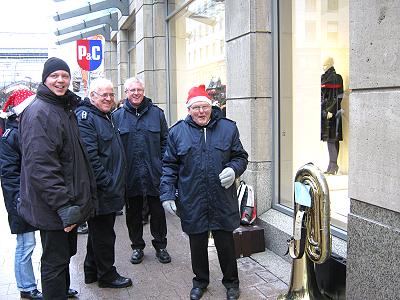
<point x="329" y="115"/>
<point x="170" y="207"/>
<point x="69" y="228"/>
<point x="227" y="177"/>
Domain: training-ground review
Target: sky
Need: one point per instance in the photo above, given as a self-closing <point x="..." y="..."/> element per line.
<point x="25" y="16"/>
<point x="30" y="23"/>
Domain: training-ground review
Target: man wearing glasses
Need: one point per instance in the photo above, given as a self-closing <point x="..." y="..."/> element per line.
<point x="203" y="157"/>
<point x="107" y="158"/>
<point x="143" y="130"/>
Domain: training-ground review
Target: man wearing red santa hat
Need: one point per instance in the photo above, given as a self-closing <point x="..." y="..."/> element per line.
<point x="204" y="155"/>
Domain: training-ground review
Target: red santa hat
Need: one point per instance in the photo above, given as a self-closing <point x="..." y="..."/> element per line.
<point x="198" y="94"/>
<point x="18" y="101"/>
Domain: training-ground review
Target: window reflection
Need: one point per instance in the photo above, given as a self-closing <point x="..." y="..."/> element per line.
<point x="197" y="53"/>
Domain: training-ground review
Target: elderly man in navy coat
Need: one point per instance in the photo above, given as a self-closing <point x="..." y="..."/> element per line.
<point x="143" y="131"/>
<point x="107" y="158"/>
<point x="204" y="155"/>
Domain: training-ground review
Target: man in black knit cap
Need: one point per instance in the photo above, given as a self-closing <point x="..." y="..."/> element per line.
<point x="58" y="189"/>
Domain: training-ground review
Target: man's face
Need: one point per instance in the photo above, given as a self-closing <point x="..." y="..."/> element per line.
<point x="58" y="82"/>
<point x="135" y="93"/>
<point x="103" y="98"/>
<point x="200" y="112"/>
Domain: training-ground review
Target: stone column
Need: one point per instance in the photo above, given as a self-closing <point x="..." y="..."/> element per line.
<point x="122" y="60"/>
<point x="249" y="89"/>
<point x="150" y="49"/>
<point x="110" y="62"/>
<point x="374" y="145"/>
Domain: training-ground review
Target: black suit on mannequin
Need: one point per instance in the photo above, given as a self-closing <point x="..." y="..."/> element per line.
<point x="331" y="121"/>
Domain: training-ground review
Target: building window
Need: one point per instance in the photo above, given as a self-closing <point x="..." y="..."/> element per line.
<point x="196" y="29"/>
<point x="313" y="103"/>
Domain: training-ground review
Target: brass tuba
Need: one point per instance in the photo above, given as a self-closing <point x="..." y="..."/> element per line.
<point x="311" y="241"/>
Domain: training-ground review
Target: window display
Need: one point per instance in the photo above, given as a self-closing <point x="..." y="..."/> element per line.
<point x="313" y="97"/>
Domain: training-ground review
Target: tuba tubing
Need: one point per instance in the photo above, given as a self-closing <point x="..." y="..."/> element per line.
<point x="314" y="246"/>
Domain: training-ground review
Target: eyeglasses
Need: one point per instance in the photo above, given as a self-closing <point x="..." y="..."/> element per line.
<point x="105" y="95"/>
<point x="203" y="108"/>
<point x="139" y="91"/>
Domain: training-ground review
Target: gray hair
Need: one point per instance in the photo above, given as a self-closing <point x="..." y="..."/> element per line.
<point x="100" y="83"/>
<point x="131" y="80"/>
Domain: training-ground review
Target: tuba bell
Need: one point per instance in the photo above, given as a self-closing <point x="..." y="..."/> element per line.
<point x="311" y="240"/>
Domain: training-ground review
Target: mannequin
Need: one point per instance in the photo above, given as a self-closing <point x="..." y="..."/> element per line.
<point x="331" y="121"/>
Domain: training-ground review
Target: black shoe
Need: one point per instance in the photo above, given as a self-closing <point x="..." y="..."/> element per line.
<point x="34" y="294"/>
<point x="163" y="256"/>
<point x="71" y="293"/>
<point x="332" y="170"/>
<point x="196" y="293"/>
<point x="117" y="283"/>
<point x="137" y="256"/>
<point x="232" y="293"/>
<point x="83" y="228"/>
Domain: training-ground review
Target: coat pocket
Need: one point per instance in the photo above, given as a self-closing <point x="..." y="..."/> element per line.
<point x="222" y="154"/>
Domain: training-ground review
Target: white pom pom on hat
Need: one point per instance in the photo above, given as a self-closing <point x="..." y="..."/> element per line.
<point x="198" y="94"/>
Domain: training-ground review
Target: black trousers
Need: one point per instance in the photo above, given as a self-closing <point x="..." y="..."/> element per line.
<point x="224" y="244"/>
<point x="333" y="149"/>
<point x="58" y="248"/>
<point x="100" y="250"/>
<point x="134" y="222"/>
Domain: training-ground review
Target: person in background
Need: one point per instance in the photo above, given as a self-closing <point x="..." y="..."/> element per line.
<point x="10" y="162"/>
<point x="143" y="129"/>
<point x="203" y="158"/>
<point x="107" y="157"/>
<point x="58" y="188"/>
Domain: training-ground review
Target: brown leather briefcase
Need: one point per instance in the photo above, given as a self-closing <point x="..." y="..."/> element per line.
<point x="248" y="240"/>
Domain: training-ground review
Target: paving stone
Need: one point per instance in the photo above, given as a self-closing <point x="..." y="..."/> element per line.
<point x="260" y="275"/>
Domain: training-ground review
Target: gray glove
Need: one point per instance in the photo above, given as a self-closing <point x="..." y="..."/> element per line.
<point x="69" y="215"/>
<point x="170" y="207"/>
<point x="227" y="177"/>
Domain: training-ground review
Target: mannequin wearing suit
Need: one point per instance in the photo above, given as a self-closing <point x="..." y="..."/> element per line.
<point x="331" y="121"/>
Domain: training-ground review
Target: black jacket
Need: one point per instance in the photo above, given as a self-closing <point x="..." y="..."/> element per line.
<point x="331" y="100"/>
<point x="106" y="154"/>
<point x="144" y="133"/>
<point x="56" y="170"/>
<point x="194" y="158"/>
<point x="10" y="160"/>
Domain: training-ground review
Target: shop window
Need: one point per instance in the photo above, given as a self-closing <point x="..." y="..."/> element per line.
<point x="203" y="20"/>
<point x="313" y="102"/>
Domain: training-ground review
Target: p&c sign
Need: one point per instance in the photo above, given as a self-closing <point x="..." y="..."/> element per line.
<point x="89" y="54"/>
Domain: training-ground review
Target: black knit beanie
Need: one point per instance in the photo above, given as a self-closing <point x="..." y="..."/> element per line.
<point x="54" y="64"/>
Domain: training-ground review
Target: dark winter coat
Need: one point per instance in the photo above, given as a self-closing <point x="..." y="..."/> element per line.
<point x="56" y="170"/>
<point x="10" y="161"/>
<point x="106" y="154"/>
<point x="331" y="99"/>
<point x="194" y="158"/>
<point x="144" y="133"/>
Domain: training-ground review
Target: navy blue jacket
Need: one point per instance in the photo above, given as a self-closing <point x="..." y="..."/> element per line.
<point x="144" y="133"/>
<point x="106" y="155"/>
<point x="194" y="158"/>
<point x="55" y="169"/>
<point x="10" y="161"/>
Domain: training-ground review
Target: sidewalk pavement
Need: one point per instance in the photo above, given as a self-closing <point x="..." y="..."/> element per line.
<point x="262" y="276"/>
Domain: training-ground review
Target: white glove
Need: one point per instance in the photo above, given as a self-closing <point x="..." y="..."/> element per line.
<point x="170" y="207"/>
<point x="227" y="177"/>
<point x="329" y="115"/>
